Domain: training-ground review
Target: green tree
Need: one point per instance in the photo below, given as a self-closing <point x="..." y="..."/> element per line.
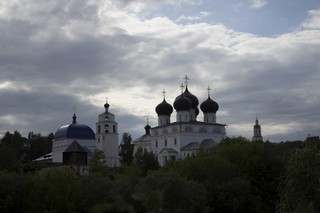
<point x="145" y="161"/>
<point x="55" y="190"/>
<point x="13" y="149"/>
<point x="97" y="162"/>
<point x="169" y="192"/>
<point x="39" y="145"/>
<point x="14" y="190"/>
<point x="260" y="164"/>
<point x="301" y="184"/>
<point x="126" y="150"/>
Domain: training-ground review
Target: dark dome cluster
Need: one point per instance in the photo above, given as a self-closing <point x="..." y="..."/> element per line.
<point x="185" y="102"/>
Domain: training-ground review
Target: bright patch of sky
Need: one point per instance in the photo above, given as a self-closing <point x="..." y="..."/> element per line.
<point x="259" y="17"/>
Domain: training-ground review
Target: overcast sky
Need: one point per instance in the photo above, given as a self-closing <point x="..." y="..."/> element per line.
<point x="260" y="57"/>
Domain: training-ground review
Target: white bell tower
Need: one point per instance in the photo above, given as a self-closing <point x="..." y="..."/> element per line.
<point x="107" y="136"/>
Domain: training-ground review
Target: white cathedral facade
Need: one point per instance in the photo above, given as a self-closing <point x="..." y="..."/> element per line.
<point x="185" y="135"/>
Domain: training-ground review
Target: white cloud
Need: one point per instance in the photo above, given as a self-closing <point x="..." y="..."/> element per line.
<point x="257" y="4"/>
<point x="313" y="22"/>
<point x="193" y="18"/>
<point x="73" y="51"/>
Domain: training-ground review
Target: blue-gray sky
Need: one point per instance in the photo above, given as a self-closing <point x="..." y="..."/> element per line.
<point x="260" y="57"/>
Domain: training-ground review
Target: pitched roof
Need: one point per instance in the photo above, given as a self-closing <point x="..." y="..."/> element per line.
<point x="168" y="150"/>
<point x="75" y="147"/>
<point x="190" y="146"/>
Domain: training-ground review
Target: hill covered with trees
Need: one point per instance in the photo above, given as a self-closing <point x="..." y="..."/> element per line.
<point x="234" y="176"/>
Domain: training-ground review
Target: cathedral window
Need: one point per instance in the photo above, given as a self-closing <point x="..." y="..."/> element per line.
<point x="156" y="143"/>
<point x="114" y="128"/>
<point x="165" y="142"/>
<point x="202" y="129"/>
<point x="99" y="128"/>
<point x="175" y="141"/>
<point x="188" y="129"/>
<point x="217" y="130"/>
<point x="106" y="128"/>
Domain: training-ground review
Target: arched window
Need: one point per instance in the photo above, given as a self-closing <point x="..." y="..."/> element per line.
<point x="202" y="129"/>
<point x="188" y="129"/>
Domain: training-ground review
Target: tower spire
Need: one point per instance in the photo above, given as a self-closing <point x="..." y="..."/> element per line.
<point x="106" y="105"/>
<point x="257" y="136"/>
<point x="147" y="127"/>
<point x="74" y="117"/>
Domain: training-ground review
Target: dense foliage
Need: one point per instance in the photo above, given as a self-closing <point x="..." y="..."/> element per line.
<point x="234" y="176"/>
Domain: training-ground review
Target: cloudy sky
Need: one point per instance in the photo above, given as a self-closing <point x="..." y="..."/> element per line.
<point x="260" y="57"/>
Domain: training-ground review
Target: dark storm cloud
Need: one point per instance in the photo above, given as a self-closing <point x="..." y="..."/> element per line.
<point x="63" y="53"/>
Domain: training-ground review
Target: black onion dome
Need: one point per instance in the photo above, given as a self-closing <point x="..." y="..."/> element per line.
<point x="192" y="98"/>
<point x="197" y="111"/>
<point x="209" y="106"/>
<point x="148" y="129"/>
<point x="106" y="105"/>
<point x="182" y="103"/>
<point x="164" y="108"/>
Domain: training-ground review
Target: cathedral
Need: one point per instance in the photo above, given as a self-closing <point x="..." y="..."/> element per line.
<point x="184" y="136"/>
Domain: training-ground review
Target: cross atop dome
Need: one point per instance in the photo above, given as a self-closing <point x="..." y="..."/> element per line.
<point x="164" y="93"/>
<point x="186" y="79"/>
<point x="209" y="89"/>
<point x="182" y="87"/>
<point x="74" y="117"/>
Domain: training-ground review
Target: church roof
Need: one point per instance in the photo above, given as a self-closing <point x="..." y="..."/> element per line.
<point x="75" y="147"/>
<point x="143" y="138"/>
<point x="168" y="150"/>
<point x="207" y="143"/>
<point x="74" y="131"/>
<point x="190" y="146"/>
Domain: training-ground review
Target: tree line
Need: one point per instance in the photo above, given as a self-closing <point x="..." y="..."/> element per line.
<point x="234" y="176"/>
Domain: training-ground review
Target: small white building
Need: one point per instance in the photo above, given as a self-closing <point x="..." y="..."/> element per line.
<point x="67" y="134"/>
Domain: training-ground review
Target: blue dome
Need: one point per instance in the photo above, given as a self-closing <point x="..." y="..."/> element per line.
<point x="74" y="131"/>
